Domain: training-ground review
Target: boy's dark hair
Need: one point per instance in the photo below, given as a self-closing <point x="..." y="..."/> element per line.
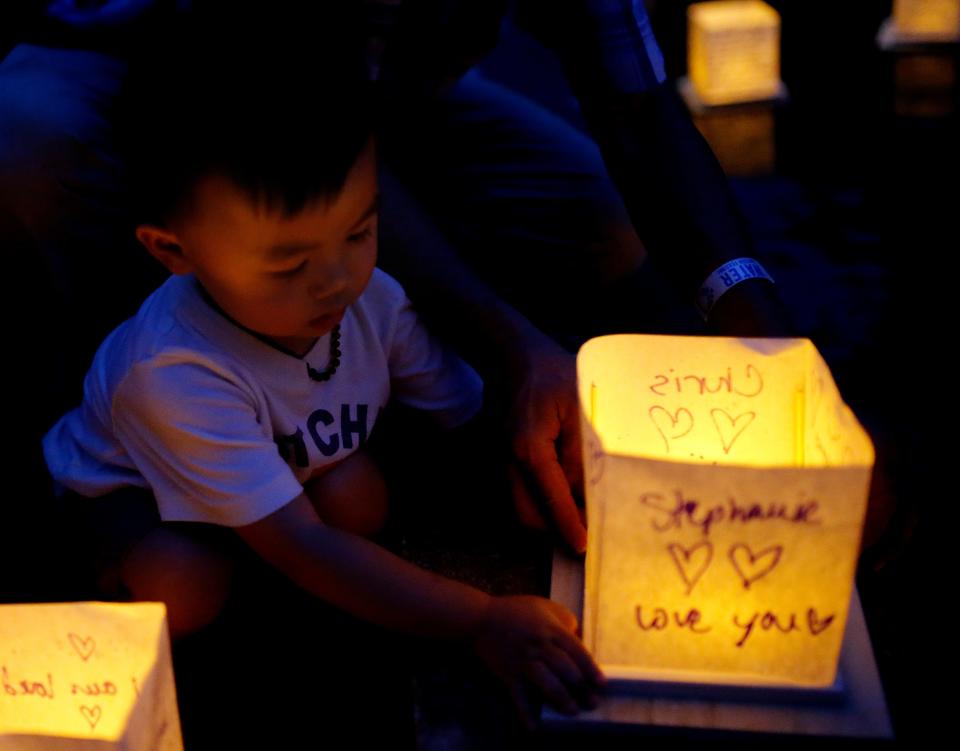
<point x="279" y="103"/>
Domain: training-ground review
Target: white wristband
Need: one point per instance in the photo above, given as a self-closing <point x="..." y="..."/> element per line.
<point x="731" y="273"/>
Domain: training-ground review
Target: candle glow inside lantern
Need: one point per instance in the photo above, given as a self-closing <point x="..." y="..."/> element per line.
<point x="726" y="487"/>
<point x="733" y="51"/>
<point x="85" y="675"/>
<point x="927" y="20"/>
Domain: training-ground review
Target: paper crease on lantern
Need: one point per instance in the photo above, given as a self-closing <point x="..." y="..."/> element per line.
<point x="87" y="675"/>
<point x="726" y="486"/>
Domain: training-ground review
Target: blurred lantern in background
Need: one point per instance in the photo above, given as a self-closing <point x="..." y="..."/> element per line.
<point x="918" y="22"/>
<point x="933" y="20"/>
<point x="733" y="53"/>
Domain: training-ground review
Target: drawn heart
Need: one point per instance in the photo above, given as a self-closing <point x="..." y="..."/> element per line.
<point x="752" y="566"/>
<point x="83" y="646"/>
<point x="691" y="570"/>
<point x="91" y="714"/>
<point x="671" y="426"/>
<point x="728" y="428"/>
<point x="815" y="623"/>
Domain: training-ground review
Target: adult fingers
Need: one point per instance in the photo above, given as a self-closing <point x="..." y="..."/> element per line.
<point x="527" y="510"/>
<point x="571" y="455"/>
<point x="543" y="466"/>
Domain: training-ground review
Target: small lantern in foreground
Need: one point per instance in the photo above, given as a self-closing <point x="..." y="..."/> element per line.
<point x="733" y="52"/>
<point x="85" y="675"/>
<point x="726" y="487"/>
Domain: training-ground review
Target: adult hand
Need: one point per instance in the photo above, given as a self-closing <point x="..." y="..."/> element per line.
<point x="751" y="308"/>
<point x="544" y="424"/>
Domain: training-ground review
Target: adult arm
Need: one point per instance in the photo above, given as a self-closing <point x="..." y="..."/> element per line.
<point x="678" y="198"/>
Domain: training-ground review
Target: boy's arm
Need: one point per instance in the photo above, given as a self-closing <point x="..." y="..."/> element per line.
<point x="525" y="640"/>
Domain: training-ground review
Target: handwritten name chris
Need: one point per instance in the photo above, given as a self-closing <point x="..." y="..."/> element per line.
<point x="680" y="512"/>
<point x="749" y="384"/>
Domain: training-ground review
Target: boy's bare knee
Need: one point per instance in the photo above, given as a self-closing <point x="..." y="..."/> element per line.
<point x="193" y="580"/>
<point x="351" y="496"/>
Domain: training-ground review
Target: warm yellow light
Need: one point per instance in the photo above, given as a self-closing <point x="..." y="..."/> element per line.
<point x="924" y="85"/>
<point x="733" y="51"/>
<point x="726" y="490"/>
<point x="742" y="138"/>
<point x="88" y="674"/>
<point x="928" y="20"/>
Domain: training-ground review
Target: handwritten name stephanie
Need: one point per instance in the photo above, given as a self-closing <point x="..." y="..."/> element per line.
<point x="681" y="512"/>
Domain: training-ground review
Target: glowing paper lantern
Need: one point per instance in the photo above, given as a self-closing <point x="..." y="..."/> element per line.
<point x="733" y="51"/>
<point x="87" y="675"/>
<point x="726" y="486"/>
<point x="927" y="19"/>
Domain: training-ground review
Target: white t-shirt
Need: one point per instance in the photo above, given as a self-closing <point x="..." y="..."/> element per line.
<point x="225" y="428"/>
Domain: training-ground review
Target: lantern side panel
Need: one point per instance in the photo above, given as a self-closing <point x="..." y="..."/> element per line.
<point x="729" y="565"/>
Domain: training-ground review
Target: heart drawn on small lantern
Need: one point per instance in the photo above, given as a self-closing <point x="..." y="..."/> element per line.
<point x="727" y="426"/>
<point x="751" y="566"/>
<point x="670" y="426"/>
<point x="84" y="647"/>
<point x="691" y="570"/>
<point x="816" y="624"/>
<point x="91" y="714"/>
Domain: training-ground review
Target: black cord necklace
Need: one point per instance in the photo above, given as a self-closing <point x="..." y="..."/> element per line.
<point x="327" y="372"/>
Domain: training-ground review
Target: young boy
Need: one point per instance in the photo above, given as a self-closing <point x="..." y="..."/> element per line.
<point x="242" y="393"/>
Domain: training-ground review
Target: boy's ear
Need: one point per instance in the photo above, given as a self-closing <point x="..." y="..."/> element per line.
<point x="165" y="247"/>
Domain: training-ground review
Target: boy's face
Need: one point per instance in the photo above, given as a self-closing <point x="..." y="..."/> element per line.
<point x="288" y="278"/>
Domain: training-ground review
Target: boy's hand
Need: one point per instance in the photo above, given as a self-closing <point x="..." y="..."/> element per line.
<point x="530" y="643"/>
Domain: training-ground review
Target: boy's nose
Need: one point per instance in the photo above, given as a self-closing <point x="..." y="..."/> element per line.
<point x="327" y="288"/>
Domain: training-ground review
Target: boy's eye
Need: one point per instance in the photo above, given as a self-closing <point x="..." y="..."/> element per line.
<point x="359" y="237"/>
<point x="290" y="272"/>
